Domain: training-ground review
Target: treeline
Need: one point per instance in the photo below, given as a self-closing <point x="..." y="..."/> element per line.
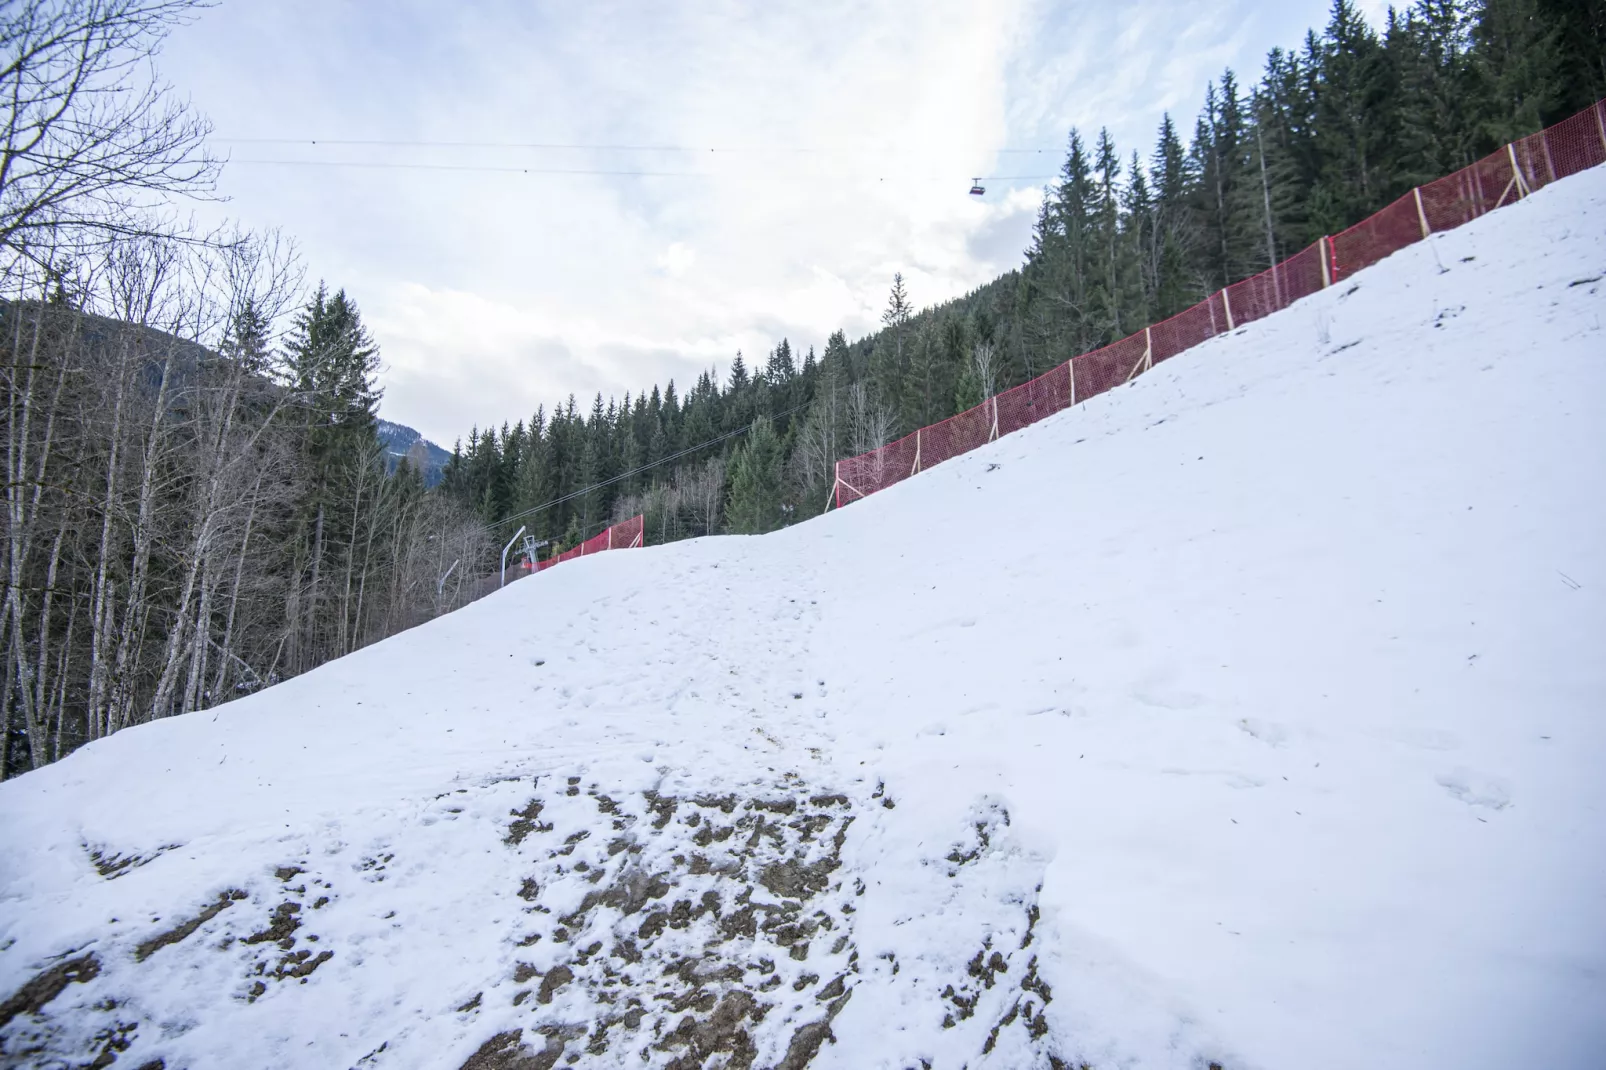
<point x="1334" y="130"/>
<point x="196" y="500"/>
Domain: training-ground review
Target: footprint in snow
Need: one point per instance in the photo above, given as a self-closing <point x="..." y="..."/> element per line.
<point x="1475" y="789"/>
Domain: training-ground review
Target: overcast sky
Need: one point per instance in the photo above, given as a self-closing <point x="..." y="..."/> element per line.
<point x="796" y="155"/>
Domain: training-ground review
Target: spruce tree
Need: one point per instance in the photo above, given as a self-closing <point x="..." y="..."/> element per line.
<point x="755" y="481"/>
<point x="889" y="361"/>
<point x="1354" y="130"/>
<point x="247" y="342"/>
<point x="1438" y="90"/>
<point x="1580" y="59"/>
<point x="1173" y="225"/>
<point x="1519" y="63"/>
<point x="331" y="365"/>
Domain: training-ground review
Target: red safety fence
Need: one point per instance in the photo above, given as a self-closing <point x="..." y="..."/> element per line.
<point x="1501" y="178"/>
<point x="625" y="535"/>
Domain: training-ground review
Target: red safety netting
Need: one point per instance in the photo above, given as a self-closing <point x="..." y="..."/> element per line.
<point x="624" y="535"/>
<point x="1501" y="178"/>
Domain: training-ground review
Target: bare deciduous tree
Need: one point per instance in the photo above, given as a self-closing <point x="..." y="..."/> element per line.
<point x="869" y="421"/>
<point x="704" y="493"/>
<point x="981" y="358"/>
<point x="92" y="143"/>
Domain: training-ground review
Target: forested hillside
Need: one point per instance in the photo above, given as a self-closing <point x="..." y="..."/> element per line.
<point x="1336" y="127"/>
<point x="200" y="499"/>
<point x="197" y="500"/>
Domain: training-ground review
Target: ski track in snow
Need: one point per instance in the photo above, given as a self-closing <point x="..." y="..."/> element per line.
<point x="1240" y="715"/>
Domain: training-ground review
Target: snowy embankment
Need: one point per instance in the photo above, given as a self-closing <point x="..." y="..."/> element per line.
<point x="1250" y="714"/>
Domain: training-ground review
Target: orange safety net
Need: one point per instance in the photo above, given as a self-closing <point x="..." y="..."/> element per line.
<point x="625" y="535"/>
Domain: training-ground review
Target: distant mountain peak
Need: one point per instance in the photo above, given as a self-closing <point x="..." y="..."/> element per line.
<point x="401" y="441"/>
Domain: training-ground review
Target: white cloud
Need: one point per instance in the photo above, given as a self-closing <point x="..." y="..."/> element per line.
<point x="677" y="259"/>
<point x="804" y="153"/>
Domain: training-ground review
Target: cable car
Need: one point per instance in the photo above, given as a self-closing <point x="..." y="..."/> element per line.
<point x="976" y="188"/>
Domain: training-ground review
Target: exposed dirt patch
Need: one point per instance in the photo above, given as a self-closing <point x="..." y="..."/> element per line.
<point x="179" y="932"/>
<point x="281" y="927"/>
<point x="674" y="939"/>
<point x="507" y="1051"/>
<point x="525" y="821"/>
<point x="103" y="1026"/>
<point x="46" y="986"/>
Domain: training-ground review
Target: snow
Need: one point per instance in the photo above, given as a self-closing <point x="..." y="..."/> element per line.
<point x="1251" y="713"/>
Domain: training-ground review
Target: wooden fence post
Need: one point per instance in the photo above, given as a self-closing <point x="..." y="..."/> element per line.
<point x="1516" y="171"/>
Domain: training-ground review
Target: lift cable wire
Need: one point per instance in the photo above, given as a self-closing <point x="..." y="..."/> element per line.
<point x="516" y="170"/>
<point x="423" y="144"/>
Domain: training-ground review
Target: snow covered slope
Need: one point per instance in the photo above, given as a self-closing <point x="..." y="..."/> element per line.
<point x="1250" y="714"/>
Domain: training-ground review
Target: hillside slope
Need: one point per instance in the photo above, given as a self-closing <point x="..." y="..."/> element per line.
<point x="1247" y="714"/>
<point x="402" y="441"/>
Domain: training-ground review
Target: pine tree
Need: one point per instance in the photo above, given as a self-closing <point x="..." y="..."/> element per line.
<point x="1226" y="196"/>
<point x="1110" y="283"/>
<point x="1353" y="128"/>
<point x="780" y="370"/>
<point x="1139" y="243"/>
<point x="889" y="362"/>
<point x="756" y="484"/>
<point x="928" y="383"/>
<point x="1520" y="66"/>
<point x="1172" y="243"/>
<point x="247" y="342"/>
<point x="1438" y="90"/>
<point x="1580" y="35"/>
<point x="1061" y="267"/>
<point x="1284" y="118"/>
<point x="332" y="363"/>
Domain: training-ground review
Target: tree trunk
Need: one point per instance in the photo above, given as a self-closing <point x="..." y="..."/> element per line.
<point x="136" y="611"/>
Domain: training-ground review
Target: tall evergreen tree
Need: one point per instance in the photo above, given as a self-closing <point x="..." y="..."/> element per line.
<point x="756" y="484"/>
<point x="1354" y="126"/>
<point x="1172" y="243"/>
<point x="1520" y="61"/>
<point x="332" y="365"/>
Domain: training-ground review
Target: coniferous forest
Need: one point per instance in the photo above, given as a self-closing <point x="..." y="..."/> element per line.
<point x="197" y="500"/>
<point x="1336" y="126"/>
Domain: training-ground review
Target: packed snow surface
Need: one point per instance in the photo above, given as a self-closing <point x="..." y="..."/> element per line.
<point x="1254" y="714"/>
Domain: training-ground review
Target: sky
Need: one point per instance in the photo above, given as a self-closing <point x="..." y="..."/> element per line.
<point x="559" y="198"/>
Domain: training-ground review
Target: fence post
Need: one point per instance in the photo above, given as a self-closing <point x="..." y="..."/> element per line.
<point x="1420" y="214"/>
<point x="610" y="536"/>
<point x="1226" y="303"/>
<point x="994" y="436"/>
<point x="1516" y="171"/>
<point x="916" y="468"/>
<point x="1600" y="123"/>
<point x="1324" y="246"/>
<point x="1148" y="350"/>
<point x="1143" y="363"/>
